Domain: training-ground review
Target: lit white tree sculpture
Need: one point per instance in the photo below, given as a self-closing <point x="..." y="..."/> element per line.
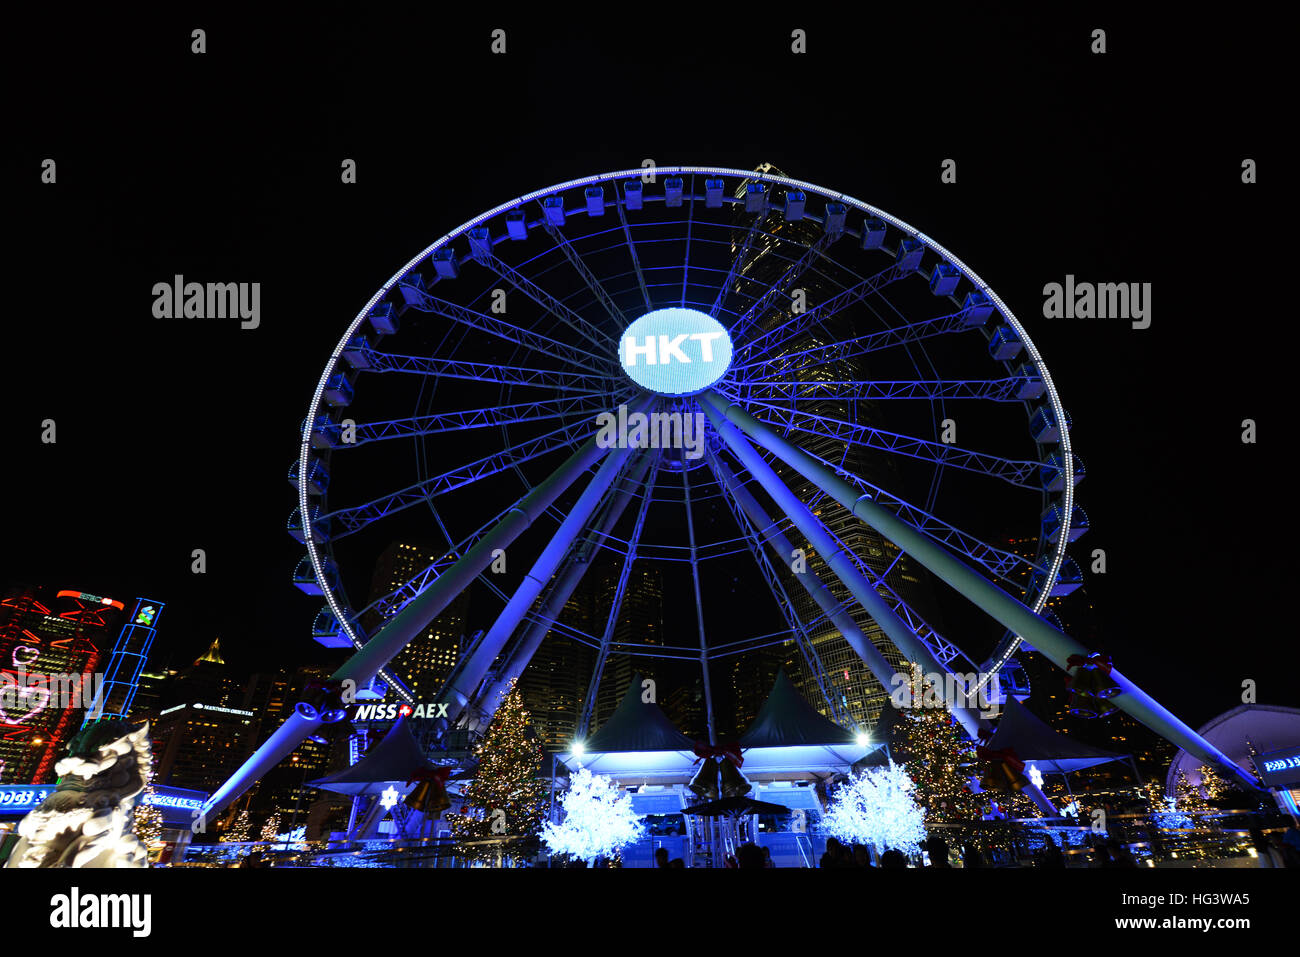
<point x="598" y="820"/>
<point x="877" y="807"/>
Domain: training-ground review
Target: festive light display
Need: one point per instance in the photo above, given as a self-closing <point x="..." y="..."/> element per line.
<point x="598" y="820"/>
<point x="241" y="829"/>
<point x="1213" y="786"/>
<point x="877" y="807"/>
<point x="147" y="819"/>
<point x="1189" y="798"/>
<point x="506" y="798"/>
<point x="939" y="759"/>
<point x="272" y="827"/>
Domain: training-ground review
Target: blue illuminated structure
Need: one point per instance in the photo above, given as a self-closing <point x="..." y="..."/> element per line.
<point x="848" y="343"/>
<point x="130" y="653"/>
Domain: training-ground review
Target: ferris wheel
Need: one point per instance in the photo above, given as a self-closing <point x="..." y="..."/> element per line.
<point x="811" y="364"/>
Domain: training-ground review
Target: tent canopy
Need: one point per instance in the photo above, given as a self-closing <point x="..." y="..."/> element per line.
<point x="637" y="725"/>
<point x="394" y="760"/>
<point x="787" y="719"/>
<point x="1033" y="741"/>
<point x="787" y="735"/>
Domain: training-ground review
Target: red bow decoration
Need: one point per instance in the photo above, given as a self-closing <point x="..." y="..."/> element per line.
<point x="727" y="749"/>
<point x="437" y="775"/>
<point x="1002" y="755"/>
<point x="1098" y="660"/>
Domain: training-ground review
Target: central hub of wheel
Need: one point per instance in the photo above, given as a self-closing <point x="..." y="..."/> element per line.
<point x="675" y="351"/>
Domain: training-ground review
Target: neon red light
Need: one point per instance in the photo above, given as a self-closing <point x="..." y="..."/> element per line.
<point x="94" y="599"/>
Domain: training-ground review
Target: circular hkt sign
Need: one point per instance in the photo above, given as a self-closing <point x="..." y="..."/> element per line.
<point x="675" y="351"/>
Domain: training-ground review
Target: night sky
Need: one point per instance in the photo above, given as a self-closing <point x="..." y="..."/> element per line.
<point x="176" y="435"/>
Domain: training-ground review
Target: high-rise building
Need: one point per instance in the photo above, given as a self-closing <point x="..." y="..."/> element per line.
<point x="150" y="691"/>
<point x="752" y="677"/>
<point x="424" y="664"/>
<point x="640" y="622"/>
<point x="197" y="745"/>
<point x="129" y="657"/>
<point x="202" y="731"/>
<point x="554" y="684"/>
<point x="860" y="694"/>
<point x="685" y="708"/>
<point x="53" y="648"/>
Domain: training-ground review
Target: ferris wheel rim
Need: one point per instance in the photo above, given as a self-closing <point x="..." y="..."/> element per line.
<point x="1005" y="648"/>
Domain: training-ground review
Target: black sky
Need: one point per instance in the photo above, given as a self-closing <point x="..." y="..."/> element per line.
<point x="174" y="436"/>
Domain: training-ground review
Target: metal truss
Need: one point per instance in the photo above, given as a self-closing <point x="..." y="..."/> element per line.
<point x="822" y="311"/>
<point x="588" y="277"/>
<point x="990" y="390"/>
<point x="558" y="381"/>
<point x="515" y="414"/>
<point x="782" y="286"/>
<point x="1021" y="473"/>
<point x="427" y="302"/>
<point x="595" y="336"/>
<point x="769" y="573"/>
<point x="349" y="520"/>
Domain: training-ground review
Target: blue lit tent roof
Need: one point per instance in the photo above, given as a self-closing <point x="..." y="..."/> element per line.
<point x="788" y="735"/>
<point x="787" y="740"/>
<point x="637" y="741"/>
<point x="638" y="726"/>
<point x="1033" y="741"/>
<point x="787" y="719"/>
<point x="394" y="760"/>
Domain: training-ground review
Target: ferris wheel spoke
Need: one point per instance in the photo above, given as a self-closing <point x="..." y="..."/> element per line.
<point x="754" y="538"/>
<point x="1012" y="471"/>
<point x="616" y="602"/>
<point x="840" y="561"/>
<point x="585" y="404"/>
<point x="495" y="326"/>
<point x="944" y="651"/>
<point x="1007" y="566"/>
<point x="773" y="339"/>
<point x="1009" y="389"/>
<point x="349" y="520"/>
<point x="636" y="259"/>
<point x="793" y="362"/>
<point x="737" y="262"/>
<point x="781" y="287"/>
<point x="588" y="277"/>
<point x="601" y="340"/>
<point x="557" y="380"/>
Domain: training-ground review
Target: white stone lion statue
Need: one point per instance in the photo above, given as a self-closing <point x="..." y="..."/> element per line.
<point x="87" y="820"/>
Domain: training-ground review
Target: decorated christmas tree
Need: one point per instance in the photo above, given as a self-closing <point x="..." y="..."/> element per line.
<point x="271" y="829"/>
<point x="1213" y="785"/>
<point x="241" y="829"/>
<point x="598" y="820"/>
<point x="939" y="759"/>
<point x="147" y="818"/>
<point x="1188" y="798"/>
<point x="506" y="798"/>
<point x="1154" y="794"/>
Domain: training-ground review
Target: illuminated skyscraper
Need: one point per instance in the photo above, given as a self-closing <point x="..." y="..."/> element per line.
<point x="640" y="622"/>
<point x="51" y="648"/>
<point x="858" y="692"/>
<point x="428" y="659"/>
